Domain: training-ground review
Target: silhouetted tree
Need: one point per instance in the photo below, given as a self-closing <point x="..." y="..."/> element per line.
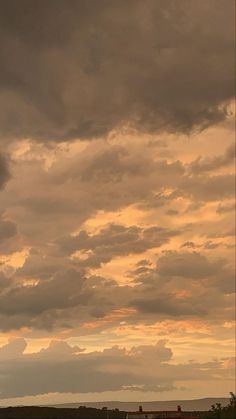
<point x="217" y="411"/>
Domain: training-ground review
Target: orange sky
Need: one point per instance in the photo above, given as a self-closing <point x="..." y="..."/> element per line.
<point x="117" y="202"/>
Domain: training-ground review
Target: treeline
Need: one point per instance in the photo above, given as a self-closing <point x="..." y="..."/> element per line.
<point x="217" y="411"/>
<point x="82" y="412"/>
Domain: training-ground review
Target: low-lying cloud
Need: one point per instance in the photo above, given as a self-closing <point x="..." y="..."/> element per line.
<point x="62" y="368"/>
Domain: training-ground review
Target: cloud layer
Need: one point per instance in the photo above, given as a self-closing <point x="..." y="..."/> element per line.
<point x="111" y="245"/>
<point x="62" y="368"/>
<point x="84" y="70"/>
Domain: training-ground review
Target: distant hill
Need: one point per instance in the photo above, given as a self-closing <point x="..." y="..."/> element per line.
<point x="186" y="405"/>
<point x="37" y="412"/>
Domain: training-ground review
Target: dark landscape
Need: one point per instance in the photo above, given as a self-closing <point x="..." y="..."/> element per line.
<point x="187" y="405"/>
<point x="221" y="409"/>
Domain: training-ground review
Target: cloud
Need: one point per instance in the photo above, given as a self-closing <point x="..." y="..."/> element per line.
<point x="182" y="284"/>
<point x="201" y="165"/>
<point x="7" y="229"/>
<point x="8" y="235"/>
<point x="59" y="349"/>
<point x="188" y="265"/>
<point x="184" y="270"/>
<point x="94" y="205"/>
<point x="224" y="208"/>
<point x="128" y="236"/>
<point x="4" y="171"/>
<point x="62" y="368"/>
<point x="167" y="305"/>
<point x="113" y="164"/>
<point x="5" y="282"/>
<point x="39" y="265"/>
<point x="12" y="350"/>
<point x="212" y="188"/>
<point x="76" y="184"/>
<point x="60" y="292"/>
<point x="88" y="68"/>
<point x="114" y="240"/>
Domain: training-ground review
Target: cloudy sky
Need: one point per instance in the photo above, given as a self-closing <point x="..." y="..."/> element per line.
<point x="116" y="200"/>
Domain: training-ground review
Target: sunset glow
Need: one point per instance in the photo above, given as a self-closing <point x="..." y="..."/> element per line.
<point x="117" y="200"/>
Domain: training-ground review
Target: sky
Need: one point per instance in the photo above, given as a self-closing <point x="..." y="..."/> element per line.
<point x="116" y="200"/>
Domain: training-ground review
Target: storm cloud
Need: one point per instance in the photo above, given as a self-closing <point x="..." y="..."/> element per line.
<point x="83" y="70"/>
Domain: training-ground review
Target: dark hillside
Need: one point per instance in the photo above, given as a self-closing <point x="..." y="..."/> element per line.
<point x="33" y="412"/>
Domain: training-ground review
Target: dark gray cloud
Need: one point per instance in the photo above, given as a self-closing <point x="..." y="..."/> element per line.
<point x="182" y="269"/>
<point x="115" y="163"/>
<point x="63" y="291"/>
<point x="40" y="265"/>
<point x="4" y="171"/>
<point x="83" y="69"/>
<point x="114" y="240"/>
<point x="62" y="368"/>
<point x="102" y="177"/>
<point x="7" y="229"/>
<point x="8" y="236"/>
<point x="66" y="195"/>
<point x="182" y="284"/>
<point x="207" y="188"/>
<point x="12" y="350"/>
<point x="187" y="265"/>
<point x="201" y="165"/>
<point x="166" y="305"/>
<point x="5" y="282"/>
